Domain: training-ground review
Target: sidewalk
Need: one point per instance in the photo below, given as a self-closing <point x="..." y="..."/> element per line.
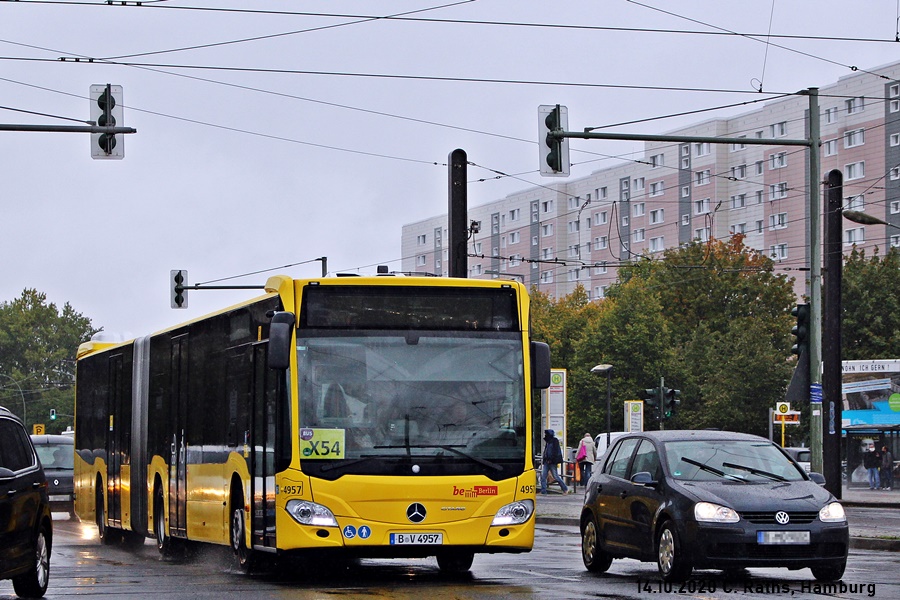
<point x="558" y="509"/>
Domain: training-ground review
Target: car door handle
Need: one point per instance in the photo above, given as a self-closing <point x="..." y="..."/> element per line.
<point x="623" y="494"/>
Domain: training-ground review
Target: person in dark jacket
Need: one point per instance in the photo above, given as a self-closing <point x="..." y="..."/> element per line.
<point x="551" y="457"/>
<point x="887" y="468"/>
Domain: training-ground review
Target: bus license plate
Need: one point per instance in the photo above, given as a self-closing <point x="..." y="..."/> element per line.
<point x="782" y="537"/>
<point x="417" y="539"/>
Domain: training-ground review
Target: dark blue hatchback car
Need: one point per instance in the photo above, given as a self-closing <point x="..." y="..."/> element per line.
<point x="26" y="529"/>
<point x="709" y="499"/>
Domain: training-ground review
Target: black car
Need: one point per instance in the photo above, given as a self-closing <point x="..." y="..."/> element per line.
<point x="26" y="529"/>
<point x="57" y="455"/>
<point x="709" y="499"/>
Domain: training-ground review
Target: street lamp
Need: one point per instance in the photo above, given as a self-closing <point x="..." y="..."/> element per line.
<point x="24" y="407"/>
<point x="600" y="369"/>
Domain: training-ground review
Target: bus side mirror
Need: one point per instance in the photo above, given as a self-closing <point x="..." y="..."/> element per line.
<point x="280" y="331"/>
<point x="540" y="365"/>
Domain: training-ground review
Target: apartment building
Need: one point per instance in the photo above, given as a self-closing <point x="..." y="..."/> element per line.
<point x="579" y="231"/>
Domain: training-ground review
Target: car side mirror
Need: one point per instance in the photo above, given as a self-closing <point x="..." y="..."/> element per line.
<point x="644" y="478"/>
<point x="6" y="474"/>
<point x="817" y="477"/>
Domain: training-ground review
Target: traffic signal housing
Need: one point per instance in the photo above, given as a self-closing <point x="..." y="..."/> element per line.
<point x="801" y="329"/>
<point x="52" y="414"/>
<point x="650" y="397"/>
<point x="107" y="111"/>
<point x="178" y="281"/>
<point x="554" y="151"/>
<point x="670" y="402"/>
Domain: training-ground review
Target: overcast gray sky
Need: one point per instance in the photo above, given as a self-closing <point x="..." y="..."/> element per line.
<point x="273" y="139"/>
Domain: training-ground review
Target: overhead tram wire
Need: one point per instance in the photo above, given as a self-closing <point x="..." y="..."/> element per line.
<point x="158" y="4"/>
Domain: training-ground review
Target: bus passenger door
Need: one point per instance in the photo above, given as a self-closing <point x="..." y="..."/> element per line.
<point x="177" y="449"/>
<point x="263" y="448"/>
<point x="114" y="428"/>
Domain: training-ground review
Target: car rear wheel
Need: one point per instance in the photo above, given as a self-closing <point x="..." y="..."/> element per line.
<point x="33" y="583"/>
<point x="593" y="556"/>
<point x="672" y="559"/>
<point x="829" y="572"/>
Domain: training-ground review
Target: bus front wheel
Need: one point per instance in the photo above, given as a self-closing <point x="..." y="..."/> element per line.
<point x="244" y="557"/>
<point x="455" y="562"/>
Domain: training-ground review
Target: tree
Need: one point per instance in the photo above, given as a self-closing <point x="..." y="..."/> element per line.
<point x="38" y="344"/>
<point x="870" y="299"/>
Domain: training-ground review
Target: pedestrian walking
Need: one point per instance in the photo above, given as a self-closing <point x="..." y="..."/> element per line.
<point x="587" y="454"/>
<point x="551" y="457"/>
<point x="887" y="468"/>
<point x="872" y="463"/>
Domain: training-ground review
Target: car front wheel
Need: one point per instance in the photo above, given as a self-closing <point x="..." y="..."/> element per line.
<point x="829" y="572"/>
<point x="594" y="558"/>
<point x="672" y="559"/>
<point x="33" y="584"/>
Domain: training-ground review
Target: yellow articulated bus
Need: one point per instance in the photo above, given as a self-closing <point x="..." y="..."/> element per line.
<point x="369" y="416"/>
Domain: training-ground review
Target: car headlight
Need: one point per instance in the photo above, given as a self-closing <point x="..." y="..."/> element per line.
<point x="514" y="514"/>
<point x="708" y="512"/>
<point x="832" y="512"/>
<point x="310" y="513"/>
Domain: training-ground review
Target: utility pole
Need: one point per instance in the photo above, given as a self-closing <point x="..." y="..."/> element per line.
<point x="815" y="287"/>
<point x="831" y="381"/>
<point x="457" y="214"/>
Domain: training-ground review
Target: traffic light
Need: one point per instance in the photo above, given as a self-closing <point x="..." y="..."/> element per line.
<point x="651" y="397"/>
<point x="801" y="329"/>
<point x="553" y="151"/>
<point x="670" y="402"/>
<point x="52" y="414"/>
<point x="107" y="111"/>
<point x="178" y="280"/>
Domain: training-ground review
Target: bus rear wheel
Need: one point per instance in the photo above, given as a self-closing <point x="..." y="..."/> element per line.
<point x="164" y="543"/>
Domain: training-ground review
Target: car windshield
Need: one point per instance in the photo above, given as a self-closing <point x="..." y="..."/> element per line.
<point x="56" y="456"/>
<point x="451" y="403"/>
<point x="730" y="460"/>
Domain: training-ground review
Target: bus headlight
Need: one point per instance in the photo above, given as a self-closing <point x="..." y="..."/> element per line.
<point x="514" y="514"/>
<point x="310" y="513"/>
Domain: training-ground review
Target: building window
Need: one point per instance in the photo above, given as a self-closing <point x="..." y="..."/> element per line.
<point x="701" y="148"/>
<point x="657" y="161"/>
<point x="894" y="90"/>
<point x="855" y="105"/>
<point x="759" y="196"/>
<point x="515" y="260"/>
<point x="638" y="184"/>
<point x="547" y="253"/>
<point x="600" y="269"/>
<point x="573" y="274"/>
<point x="601" y="243"/>
<point x="601" y="193"/>
<point x="895" y="173"/>
<point x="778" y="221"/>
<point x="738" y="228"/>
<point x="514" y="214"/>
<point x="600" y="218"/>
<point x="895" y="207"/>
<point x="685" y="191"/>
<point x="778" y="252"/>
<point x="637" y="235"/>
<point x="895" y="139"/>
<point x="855" y="236"/>
<point x="657" y="216"/>
<point x="534" y="240"/>
<point x="657" y="188"/>
<point x="778" y="160"/>
<point x="759" y="167"/>
<point x="701" y="177"/>
<point x="421" y="240"/>
<point x="739" y="171"/>
<point x="778" y="191"/>
<point x="831" y="115"/>
<point x="778" y="129"/>
<point x="420" y="260"/>
<point x="574" y="226"/>
<point x="830" y="147"/>
<point x="514" y="237"/>
<point x="856" y="203"/>
<point x="701" y="207"/>
<point x="600" y="292"/>
<point x="637" y="209"/>
<point x="759" y="226"/>
<point x="547" y="277"/>
<point x="547" y="230"/>
<point x="685" y="220"/>
<point x="547" y="206"/>
<point x="477" y="247"/>
<point x="854" y="138"/>
<point x="739" y="145"/>
<point x="895" y="241"/>
<point x="894" y="106"/>
<point x="702" y="234"/>
<point x="855" y="170"/>
<point x="657" y="244"/>
<point x="738" y="201"/>
<point x="573" y="252"/>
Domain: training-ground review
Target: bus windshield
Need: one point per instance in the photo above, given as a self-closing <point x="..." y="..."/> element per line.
<point x="413" y="402"/>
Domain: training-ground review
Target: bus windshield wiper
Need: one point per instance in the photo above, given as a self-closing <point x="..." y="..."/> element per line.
<point x="481" y="461"/>
<point x="345" y="464"/>
<point x="755" y="471"/>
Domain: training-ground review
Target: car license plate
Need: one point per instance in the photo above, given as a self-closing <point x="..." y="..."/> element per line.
<point x="416" y="539"/>
<point x="782" y="537"/>
<point x="59" y="498"/>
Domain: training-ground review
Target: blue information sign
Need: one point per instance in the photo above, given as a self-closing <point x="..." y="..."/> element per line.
<point x="815" y="393"/>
